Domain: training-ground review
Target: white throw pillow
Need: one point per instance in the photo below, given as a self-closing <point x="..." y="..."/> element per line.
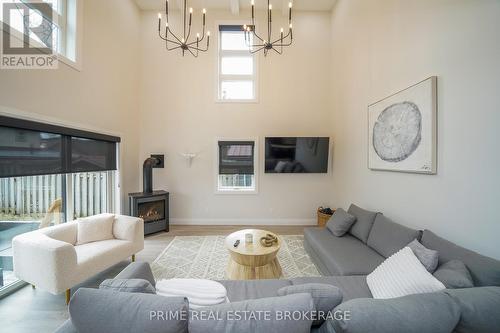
<point x="402" y="274"/>
<point x="95" y="228"/>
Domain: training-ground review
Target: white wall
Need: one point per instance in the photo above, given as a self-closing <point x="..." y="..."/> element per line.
<point x="179" y="114"/>
<point x="103" y="96"/>
<point x="380" y="47"/>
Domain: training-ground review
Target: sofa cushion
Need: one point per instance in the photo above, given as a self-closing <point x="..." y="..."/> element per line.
<point x="340" y="222"/>
<point x="94" y="257"/>
<point x="128" y="286"/>
<point x="240" y="290"/>
<point x="429" y="258"/>
<point x="424" y="313"/>
<point x="351" y="286"/>
<point x="480" y="309"/>
<point x="341" y="255"/>
<point x="387" y="237"/>
<point x="256" y="315"/>
<point x="485" y="271"/>
<point x="454" y="274"/>
<point x="65" y="232"/>
<point x="94" y="310"/>
<point x="364" y="222"/>
<point x="95" y="228"/>
<point x="325" y="296"/>
<point x="402" y="274"/>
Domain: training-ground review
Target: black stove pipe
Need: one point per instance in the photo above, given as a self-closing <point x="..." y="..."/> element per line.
<point x="147" y="174"/>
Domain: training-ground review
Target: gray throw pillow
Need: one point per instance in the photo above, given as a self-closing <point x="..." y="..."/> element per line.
<point x="429" y="258"/>
<point x="325" y="296"/>
<point x="364" y="222"/>
<point x="255" y="315"/>
<point x="340" y="222"/>
<point x="128" y="285"/>
<point x="454" y="275"/>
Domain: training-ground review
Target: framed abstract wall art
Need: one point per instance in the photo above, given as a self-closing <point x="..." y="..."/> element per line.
<point x="402" y="130"/>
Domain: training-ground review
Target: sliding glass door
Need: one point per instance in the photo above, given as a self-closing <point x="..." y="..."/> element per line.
<point x="49" y="175"/>
<point x="34" y="202"/>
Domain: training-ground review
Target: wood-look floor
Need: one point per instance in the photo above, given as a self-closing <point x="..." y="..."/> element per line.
<point x="31" y="310"/>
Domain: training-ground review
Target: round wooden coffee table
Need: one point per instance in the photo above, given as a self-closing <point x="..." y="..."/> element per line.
<point x="251" y="261"/>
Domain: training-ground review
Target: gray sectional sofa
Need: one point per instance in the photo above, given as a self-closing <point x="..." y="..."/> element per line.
<point x="345" y="261"/>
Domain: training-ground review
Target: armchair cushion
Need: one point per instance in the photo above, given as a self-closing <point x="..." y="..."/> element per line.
<point x="95" y="228"/>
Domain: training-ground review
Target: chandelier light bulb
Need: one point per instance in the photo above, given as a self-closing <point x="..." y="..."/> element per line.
<point x="198" y="35"/>
<point x="204" y="11"/>
<point x="252" y="2"/>
<point x="270" y="7"/>
<point x="290" y="5"/>
<point x="291" y="26"/>
<point x="282" y="30"/>
<point x="166" y="24"/>
<point x="191" y="10"/>
<point x="159" y="16"/>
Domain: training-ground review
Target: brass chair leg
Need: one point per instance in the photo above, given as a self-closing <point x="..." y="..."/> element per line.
<point x="133" y="257"/>
<point x="68" y="296"/>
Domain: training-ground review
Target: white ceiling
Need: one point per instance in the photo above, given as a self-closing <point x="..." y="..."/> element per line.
<point x="313" y="5"/>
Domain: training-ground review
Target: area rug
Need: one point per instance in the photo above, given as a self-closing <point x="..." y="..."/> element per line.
<point x="205" y="257"/>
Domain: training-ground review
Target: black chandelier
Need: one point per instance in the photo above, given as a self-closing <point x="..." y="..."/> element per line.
<point x="268" y="44"/>
<point x="183" y="43"/>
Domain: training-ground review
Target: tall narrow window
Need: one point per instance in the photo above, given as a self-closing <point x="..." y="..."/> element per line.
<point x="63" y="26"/>
<point x="236" y="166"/>
<point x="237" y="66"/>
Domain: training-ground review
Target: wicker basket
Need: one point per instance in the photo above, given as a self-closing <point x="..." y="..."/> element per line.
<point x="322" y="218"/>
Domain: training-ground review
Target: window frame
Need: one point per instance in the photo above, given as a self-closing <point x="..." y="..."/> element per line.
<point x="254" y="77"/>
<point x="256" y="170"/>
<point x="66" y="7"/>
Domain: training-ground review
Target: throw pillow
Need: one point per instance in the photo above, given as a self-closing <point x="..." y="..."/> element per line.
<point x="340" y="222"/>
<point x="95" y="228"/>
<point x="325" y="297"/>
<point x="454" y="275"/>
<point x="273" y="314"/>
<point x="429" y="258"/>
<point x="402" y="274"/>
<point x="128" y="286"/>
<point x="364" y="222"/>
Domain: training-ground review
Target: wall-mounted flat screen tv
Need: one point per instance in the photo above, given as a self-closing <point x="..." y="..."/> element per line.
<point x="297" y="154"/>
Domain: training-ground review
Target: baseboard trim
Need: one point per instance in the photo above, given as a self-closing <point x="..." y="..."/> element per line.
<point x="225" y="221"/>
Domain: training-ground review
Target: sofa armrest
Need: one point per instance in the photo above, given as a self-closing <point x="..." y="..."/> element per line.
<point x="44" y="261"/>
<point x="128" y="228"/>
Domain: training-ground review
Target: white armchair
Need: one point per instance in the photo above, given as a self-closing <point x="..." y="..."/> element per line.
<point x="51" y="260"/>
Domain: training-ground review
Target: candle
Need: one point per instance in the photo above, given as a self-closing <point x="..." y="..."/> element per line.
<point x="159" y="21"/>
<point x="204" y="13"/>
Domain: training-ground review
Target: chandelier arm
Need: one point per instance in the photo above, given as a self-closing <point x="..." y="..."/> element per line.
<point x="178" y="40"/>
<point x="258" y="37"/>
<point x="287" y="44"/>
<point x="174" y="48"/>
<point x="166" y="39"/>
<point x="277" y="51"/>
<point x="255" y="51"/>
<point x="279" y="39"/>
<point x="194" y="55"/>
